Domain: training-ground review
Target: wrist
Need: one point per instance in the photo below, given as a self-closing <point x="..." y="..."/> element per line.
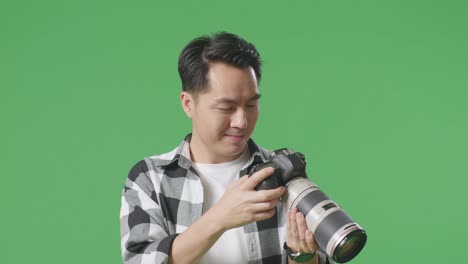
<point x="298" y="256"/>
<point x="214" y="222"/>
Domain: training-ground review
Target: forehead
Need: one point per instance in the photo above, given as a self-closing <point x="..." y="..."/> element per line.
<point x="226" y="81"/>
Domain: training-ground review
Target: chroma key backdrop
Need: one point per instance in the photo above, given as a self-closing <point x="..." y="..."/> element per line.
<point x="374" y="93"/>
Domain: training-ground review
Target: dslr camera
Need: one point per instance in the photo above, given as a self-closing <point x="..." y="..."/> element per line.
<point x="334" y="231"/>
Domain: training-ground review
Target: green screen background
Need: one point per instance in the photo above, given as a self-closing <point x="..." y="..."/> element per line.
<point x="373" y="92"/>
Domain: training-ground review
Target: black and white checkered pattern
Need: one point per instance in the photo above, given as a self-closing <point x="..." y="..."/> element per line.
<point x="163" y="196"/>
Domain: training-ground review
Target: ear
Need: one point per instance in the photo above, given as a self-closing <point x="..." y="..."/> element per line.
<point x="188" y="103"/>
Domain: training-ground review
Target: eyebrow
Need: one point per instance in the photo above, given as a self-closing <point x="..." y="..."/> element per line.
<point x="232" y="101"/>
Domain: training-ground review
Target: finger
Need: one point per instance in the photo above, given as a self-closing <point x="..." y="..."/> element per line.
<point x="243" y="179"/>
<point x="290" y="239"/>
<point x="301" y="229"/>
<point x="311" y="243"/>
<point x="266" y="195"/>
<point x="301" y="225"/>
<point x="288" y="225"/>
<point x="264" y="215"/>
<point x="308" y="242"/>
<point x="294" y="232"/>
<point x="258" y="177"/>
<point x="262" y="206"/>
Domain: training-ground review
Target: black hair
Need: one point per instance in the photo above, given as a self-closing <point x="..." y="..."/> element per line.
<point x="222" y="47"/>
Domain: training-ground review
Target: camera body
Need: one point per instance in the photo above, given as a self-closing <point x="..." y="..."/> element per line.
<point x="334" y="231"/>
<point x="287" y="164"/>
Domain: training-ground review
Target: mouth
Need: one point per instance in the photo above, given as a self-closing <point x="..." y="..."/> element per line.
<point x="236" y="138"/>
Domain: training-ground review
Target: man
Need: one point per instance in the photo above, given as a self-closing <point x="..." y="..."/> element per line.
<point x="195" y="204"/>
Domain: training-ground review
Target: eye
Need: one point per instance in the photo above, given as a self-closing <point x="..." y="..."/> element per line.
<point x="252" y="105"/>
<point x="228" y="109"/>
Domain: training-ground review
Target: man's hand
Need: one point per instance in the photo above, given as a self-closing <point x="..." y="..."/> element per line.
<point x="239" y="205"/>
<point x="298" y="237"/>
<point x="242" y="204"/>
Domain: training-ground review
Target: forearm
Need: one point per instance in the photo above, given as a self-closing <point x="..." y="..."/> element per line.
<point x="195" y="241"/>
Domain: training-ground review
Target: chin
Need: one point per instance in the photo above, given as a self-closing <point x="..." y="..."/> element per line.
<point x="235" y="149"/>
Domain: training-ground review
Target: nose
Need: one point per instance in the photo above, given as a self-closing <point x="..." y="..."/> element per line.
<point x="239" y="119"/>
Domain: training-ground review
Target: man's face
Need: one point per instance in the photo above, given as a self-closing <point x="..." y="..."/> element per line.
<point x="223" y="117"/>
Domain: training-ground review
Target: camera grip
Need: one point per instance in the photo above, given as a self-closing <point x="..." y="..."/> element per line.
<point x="272" y="182"/>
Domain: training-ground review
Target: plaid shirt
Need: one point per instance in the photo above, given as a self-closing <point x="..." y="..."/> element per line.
<point x="163" y="196"/>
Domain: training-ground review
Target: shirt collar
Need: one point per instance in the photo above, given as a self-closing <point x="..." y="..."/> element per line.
<point x="183" y="159"/>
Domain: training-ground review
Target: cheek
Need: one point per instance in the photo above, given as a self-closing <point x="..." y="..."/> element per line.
<point x="253" y="118"/>
<point x="216" y="123"/>
<point x="222" y="122"/>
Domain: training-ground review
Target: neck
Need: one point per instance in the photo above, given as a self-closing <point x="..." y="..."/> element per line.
<point x="200" y="154"/>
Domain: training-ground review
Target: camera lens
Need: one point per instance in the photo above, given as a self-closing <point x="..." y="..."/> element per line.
<point x="350" y="246"/>
<point x="334" y="231"/>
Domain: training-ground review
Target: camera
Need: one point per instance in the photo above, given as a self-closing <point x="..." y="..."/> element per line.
<point x="334" y="230"/>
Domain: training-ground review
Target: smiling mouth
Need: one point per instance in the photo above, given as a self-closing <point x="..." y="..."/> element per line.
<point x="235" y="137"/>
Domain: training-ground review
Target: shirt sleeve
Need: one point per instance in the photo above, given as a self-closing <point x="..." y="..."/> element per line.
<point x="143" y="228"/>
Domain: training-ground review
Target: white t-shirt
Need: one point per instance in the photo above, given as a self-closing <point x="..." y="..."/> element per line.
<point x="231" y="247"/>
